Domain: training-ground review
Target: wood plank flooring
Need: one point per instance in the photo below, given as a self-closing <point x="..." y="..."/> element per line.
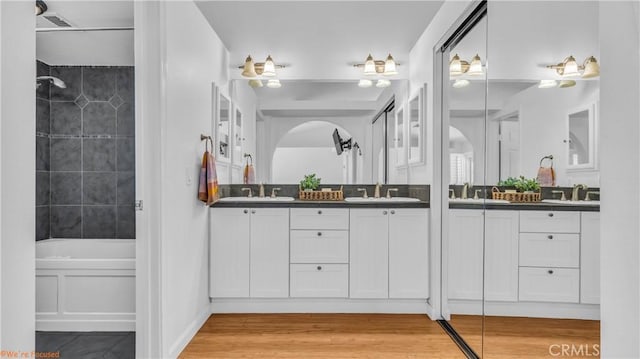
<point x="321" y="336"/>
<point x="517" y="337"/>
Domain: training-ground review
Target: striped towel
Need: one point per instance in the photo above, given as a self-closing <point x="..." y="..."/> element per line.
<point x="208" y="188"/>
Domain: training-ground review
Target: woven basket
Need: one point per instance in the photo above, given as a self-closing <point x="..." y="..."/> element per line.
<point x="519" y="197"/>
<point x="322" y="195"/>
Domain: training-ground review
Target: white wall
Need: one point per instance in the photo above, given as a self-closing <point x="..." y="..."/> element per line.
<point x="620" y="158"/>
<point x="17" y="176"/>
<point x="291" y="164"/>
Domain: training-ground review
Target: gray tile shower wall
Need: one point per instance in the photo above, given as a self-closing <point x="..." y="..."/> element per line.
<point x="87" y="152"/>
<point x="43" y="178"/>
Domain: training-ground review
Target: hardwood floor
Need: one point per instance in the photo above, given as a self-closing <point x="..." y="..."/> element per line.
<point x="321" y="336"/>
<point x="517" y="337"/>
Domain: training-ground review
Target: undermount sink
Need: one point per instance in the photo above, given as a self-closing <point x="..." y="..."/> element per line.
<point x="477" y="201"/>
<point x="257" y="199"/>
<point x="381" y="199"/>
<point x="572" y="203"/>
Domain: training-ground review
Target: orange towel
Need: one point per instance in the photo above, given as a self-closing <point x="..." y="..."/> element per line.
<point x="547" y="175"/>
<point x="249" y="175"/>
<point x="208" y="188"/>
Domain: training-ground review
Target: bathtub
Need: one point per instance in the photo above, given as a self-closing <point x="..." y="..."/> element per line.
<point x="85" y="285"/>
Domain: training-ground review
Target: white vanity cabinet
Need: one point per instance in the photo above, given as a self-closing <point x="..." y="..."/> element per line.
<point x="389" y="253"/>
<point x="467" y="232"/>
<point x="549" y="256"/>
<point x="249" y="252"/>
<point x="590" y="258"/>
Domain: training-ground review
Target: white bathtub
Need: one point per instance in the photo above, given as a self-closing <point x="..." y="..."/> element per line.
<point x="85" y="285"/>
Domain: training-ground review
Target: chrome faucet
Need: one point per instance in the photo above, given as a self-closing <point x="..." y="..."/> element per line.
<point x="391" y="190"/>
<point x="376" y="192"/>
<point x="574" y="192"/>
<point x="247" y="189"/>
<point x="465" y="189"/>
<point x="273" y="192"/>
<point x="364" y="192"/>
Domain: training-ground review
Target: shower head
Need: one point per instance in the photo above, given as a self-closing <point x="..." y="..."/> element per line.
<point x="54" y="80"/>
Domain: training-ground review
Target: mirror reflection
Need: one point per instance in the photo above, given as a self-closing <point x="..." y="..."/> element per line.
<point x="224" y="128"/>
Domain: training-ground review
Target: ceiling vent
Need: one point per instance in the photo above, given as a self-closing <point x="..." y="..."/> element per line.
<point x="57" y="20"/>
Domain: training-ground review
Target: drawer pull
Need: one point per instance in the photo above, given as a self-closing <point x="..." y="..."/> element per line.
<point x="384" y="213"/>
<point x="550" y="214"/>
<point x="393" y="212"/>
<point x="319" y="234"/>
<point x="550" y="236"/>
<point x="253" y="211"/>
<point x="319" y="268"/>
<point x="319" y="212"/>
<point x="246" y="211"/>
<point x="550" y="271"/>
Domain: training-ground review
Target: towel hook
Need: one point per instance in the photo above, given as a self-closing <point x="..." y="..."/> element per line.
<point x="208" y="139"/>
<point x="251" y="158"/>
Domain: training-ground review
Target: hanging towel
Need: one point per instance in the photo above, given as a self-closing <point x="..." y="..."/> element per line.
<point x="208" y="188"/>
<point x="249" y="176"/>
<point x="547" y="175"/>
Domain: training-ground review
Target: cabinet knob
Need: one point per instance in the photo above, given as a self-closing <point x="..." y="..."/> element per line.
<point x="393" y="212"/>
<point x="319" y="268"/>
<point x="550" y="236"/>
<point x="246" y="211"/>
<point x="319" y="234"/>
<point x="319" y="212"/>
<point x="550" y="214"/>
<point x="253" y="211"/>
<point x="384" y="212"/>
<point x="550" y="271"/>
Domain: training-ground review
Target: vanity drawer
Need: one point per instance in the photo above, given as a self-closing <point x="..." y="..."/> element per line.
<point x="319" y="246"/>
<point x="549" y="250"/>
<point x="320" y="218"/>
<point x="319" y="280"/>
<point x="550" y="221"/>
<point x="549" y="285"/>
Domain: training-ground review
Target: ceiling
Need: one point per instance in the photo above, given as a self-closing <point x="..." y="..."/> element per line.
<point x="100" y="48"/>
<point x="319" y="39"/>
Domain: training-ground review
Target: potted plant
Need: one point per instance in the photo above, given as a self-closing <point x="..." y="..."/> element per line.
<point x="310" y="182"/>
<point x="509" y="183"/>
<point x="527" y="185"/>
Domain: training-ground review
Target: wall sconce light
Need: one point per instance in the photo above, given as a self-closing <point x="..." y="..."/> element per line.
<point x="372" y="68"/>
<point x="460" y="83"/>
<point x="254" y="70"/>
<point x="459" y="67"/>
<point x="570" y="68"/>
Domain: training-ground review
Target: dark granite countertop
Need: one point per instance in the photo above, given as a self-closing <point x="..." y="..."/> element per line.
<point x="541" y="206"/>
<point x="319" y="204"/>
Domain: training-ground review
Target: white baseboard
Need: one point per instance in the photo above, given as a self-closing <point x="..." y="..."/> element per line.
<point x="183" y="340"/>
<point x="86" y="325"/>
<point x="527" y="309"/>
<point x="315" y="305"/>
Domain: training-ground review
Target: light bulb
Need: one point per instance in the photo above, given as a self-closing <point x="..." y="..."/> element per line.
<point x="382" y="83"/>
<point x="269" y="67"/>
<point x="364" y="83"/>
<point x="274" y="84"/>
<point x="547" y="84"/>
<point x="455" y="66"/>
<point x="475" y="68"/>
<point x="249" y="69"/>
<point x="591" y="68"/>
<point x="369" y="66"/>
<point x="570" y="67"/>
<point x="390" y="66"/>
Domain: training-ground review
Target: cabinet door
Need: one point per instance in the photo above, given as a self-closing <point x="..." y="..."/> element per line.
<point x="590" y="258"/>
<point x="269" y="252"/>
<point x="501" y="255"/>
<point x="369" y="261"/>
<point x="408" y="253"/>
<point x="229" y="253"/>
<point x="464" y="254"/>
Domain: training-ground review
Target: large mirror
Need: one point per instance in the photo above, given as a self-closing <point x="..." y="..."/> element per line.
<point x="238" y="137"/>
<point x="581" y="139"/>
<point x="341" y="132"/>
<point x="224" y="128"/>
<point x="416" y="127"/>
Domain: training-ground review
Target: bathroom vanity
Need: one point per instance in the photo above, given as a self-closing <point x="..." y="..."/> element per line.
<point x="319" y="257"/>
<point x="540" y="260"/>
